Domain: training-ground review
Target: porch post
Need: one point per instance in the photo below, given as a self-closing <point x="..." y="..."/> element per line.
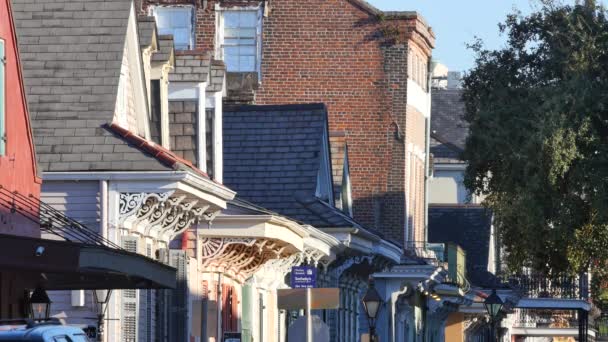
<point x="583" y="325"/>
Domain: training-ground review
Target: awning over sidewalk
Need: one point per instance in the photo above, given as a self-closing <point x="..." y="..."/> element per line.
<point x="62" y="265"/>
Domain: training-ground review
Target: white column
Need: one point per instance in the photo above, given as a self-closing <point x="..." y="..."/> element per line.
<point x="200" y="127"/>
<point x="218" y="160"/>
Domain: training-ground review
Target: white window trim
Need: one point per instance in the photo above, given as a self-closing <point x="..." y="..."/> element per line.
<point x="152" y="12"/>
<point x="324" y="178"/>
<point x="219" y="33"/>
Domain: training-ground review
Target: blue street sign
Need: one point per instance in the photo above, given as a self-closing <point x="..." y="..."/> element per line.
<point x="303" y="277"/>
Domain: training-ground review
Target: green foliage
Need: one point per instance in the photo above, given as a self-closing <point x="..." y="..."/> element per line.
<point x="538" y="143"/>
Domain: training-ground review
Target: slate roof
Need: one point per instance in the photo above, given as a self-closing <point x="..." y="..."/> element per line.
<point x="272" y="157"/>
<point x="146" y="28"/>
<point x="469" y="227"/>
<point x="448" y="128"/>
<point x="71" y="55"/>
<point x="272" y="154"/>
<point x="165" y="51"/>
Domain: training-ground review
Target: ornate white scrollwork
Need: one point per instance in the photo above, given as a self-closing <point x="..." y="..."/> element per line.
<point x="312" y="256"/>
<point x="350" y="262"/>
<point x="159" y="215"/>
<point x="211" y="247"/>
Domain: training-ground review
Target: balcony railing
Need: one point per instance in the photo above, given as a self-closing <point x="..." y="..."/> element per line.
<point x="542" y="286"/>
<point x="532" y="318"/>
<point x="601" y="326"/>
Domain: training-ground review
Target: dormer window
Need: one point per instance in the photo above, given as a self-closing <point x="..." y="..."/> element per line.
<point x="176" y="21"/>
<point x="239" y="37"/>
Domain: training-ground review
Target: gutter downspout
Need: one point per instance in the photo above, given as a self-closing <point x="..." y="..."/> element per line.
<point x="103" y="227"/>
<point x="427" y="154"/>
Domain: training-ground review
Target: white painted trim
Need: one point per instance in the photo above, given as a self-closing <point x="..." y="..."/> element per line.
<point x="152" y="11"/>
<point x="450" y="167"/>
<point x="165" y="134"/>
<point x="418" y="98"/>
<point x="552" y="303"/>
<point x="183" y="91"/>
<point x="548" y="332"/>
<point x="138" y="78"/>
<point x="218" y="158"/>
<point x="201" y="127"/>
<point x="190" y="178"/>
<point x="117" y="175"/>
<point x="219" y="33"/>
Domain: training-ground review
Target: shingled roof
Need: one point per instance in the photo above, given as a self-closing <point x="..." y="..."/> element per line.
<point x="469" y="227"/>
<point x="71" y="55"/>
<point x="272" y="157"/>
<point x="448" y="128"/>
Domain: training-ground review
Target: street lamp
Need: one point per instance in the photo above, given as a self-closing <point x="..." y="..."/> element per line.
<point x="102" y="297"/>
<point x="40" y="304"/>
<point x="493" y="305"/>
<point x="372" y="302"/>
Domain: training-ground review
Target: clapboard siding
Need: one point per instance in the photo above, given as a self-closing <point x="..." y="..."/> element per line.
<point x="78" y="200"/>
<point x="62" y="308"/>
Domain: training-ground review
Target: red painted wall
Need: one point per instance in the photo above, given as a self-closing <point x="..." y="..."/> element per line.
<point x="18" y="165"/>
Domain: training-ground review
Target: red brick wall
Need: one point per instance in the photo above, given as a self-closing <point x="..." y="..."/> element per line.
<point x="334" y="52"/>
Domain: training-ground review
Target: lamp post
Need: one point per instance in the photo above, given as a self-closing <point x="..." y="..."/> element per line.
<point x="372" y="302"/>
<point x="102" y="297"/>
<point x="40" y="305"/>
<point x="493" y="305"/>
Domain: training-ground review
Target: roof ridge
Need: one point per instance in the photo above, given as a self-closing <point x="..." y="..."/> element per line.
<point x="446" y="142"/>
<point x="159" y="152"/>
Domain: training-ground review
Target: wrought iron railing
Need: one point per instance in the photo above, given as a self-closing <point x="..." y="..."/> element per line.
<point x="534" y="285"/>
<point x="50" y="220"/>
<point x="601" y="327"/>
<point x="535" y="318"/>
<point x="426" y="250"/>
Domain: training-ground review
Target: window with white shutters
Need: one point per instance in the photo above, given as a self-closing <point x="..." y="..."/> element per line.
<point x="176" y="21"/>
<point x="130" y="310"/>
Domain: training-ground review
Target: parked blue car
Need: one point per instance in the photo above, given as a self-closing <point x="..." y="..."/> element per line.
<point x="47" y="331"/>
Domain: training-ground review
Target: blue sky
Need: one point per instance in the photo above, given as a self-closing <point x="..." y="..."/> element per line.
<point x="458" y="22"/>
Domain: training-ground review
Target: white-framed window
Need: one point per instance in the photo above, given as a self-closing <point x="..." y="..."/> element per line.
<point x="240" y="32"/>
<point x="177" y="21"/>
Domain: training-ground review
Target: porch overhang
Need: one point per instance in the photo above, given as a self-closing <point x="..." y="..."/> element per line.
<point x="553" y="303"/>
<point x="549" y="332"/>
<point x="61" y="265"/>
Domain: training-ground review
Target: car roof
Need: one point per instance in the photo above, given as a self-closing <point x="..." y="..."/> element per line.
<point x="40" y="333"/>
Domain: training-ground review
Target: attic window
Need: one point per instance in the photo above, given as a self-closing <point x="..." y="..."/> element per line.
<point x="176" y="21"/>
<point x="240" y="39"/>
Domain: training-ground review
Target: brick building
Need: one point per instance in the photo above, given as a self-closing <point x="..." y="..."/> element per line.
<point x="367" y="66"/>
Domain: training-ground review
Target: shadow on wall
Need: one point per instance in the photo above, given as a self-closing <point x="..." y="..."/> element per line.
<point x="386" y="214"/>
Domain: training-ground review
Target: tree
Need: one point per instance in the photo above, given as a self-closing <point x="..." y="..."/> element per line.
<point x="538" y="141"/>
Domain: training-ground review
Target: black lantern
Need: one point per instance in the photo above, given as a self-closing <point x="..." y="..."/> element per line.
<point x="102" y="296"/>
<point x="372" y="302"/>
<point x="40" y="304"/>
<point x="493" y="305"/>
